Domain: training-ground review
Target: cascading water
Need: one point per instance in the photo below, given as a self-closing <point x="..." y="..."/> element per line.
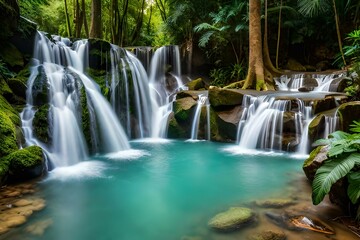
<point x="263" y="122"/>
<point x="58" y="72"/>
<point x="305" y="118"/>
<point x="202" y="101"/>
<point x="319" y="82"/>
<point x="130" y="94"/>
<point x="164" y="82"/>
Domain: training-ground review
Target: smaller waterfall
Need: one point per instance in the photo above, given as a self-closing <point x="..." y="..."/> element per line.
<point x="263" y="123"/>
<point x="164" y="83"/>
<point x="130" y="94"/>
<point x="305" y="119"/>
<point x="202" y="101"/>
<point x="331" y="124"/>
<point x="317" y="82"/>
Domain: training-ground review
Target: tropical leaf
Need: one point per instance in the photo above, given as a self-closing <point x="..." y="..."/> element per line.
<point x="312" y="8"/>
<point x="329" y="173"/>
<point x="204" y="26"/>
<point x="353" y="190"/>
<point x="338" y="135"/>
<point x="355" y="127"/>
<point x="205" y="38"/>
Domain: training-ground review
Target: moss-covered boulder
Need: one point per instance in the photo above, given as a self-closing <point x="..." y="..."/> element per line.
<point x="224" y="97"/>
<point x="9" y="119"/>
<point x="183" y="109"/>
<point x="324" y="104"/>
<point x="175" y="130"/>
<point x="9" y="17"/>
<point x="41" y="124"/>
<point x="12" y="56"/>
<point x="227" y="121"/>
<point x="26" y="163"/>
<point x="232" y="219"/>
<point x="99" y="54"/>
<point x="274" y="202"/>
<point x="294" y="65"/>
<point x="18" y="86"/>
<point x="314" y="161"/>
<point x="196" y="84"/>
<point x="348" y="112"/>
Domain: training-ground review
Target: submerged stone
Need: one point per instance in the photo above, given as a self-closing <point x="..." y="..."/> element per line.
<point x="268" y="235"/>
<point x="274" y="203"/>
<point x="233" y="218"/>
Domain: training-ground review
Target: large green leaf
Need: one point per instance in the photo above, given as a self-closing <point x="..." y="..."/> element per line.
<point x="353" y="190"/>
<point x="329" y="173"/>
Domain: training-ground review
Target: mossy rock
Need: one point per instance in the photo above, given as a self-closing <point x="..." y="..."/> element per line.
<point x="349" y="112"/>
<point x="26" y="163"/>
<point x="175" y="130"/>
<point x="9" y="17"/>
<point x="196" y="84"/>
<point x="100" y="76"/>
<point x="232" y="219"/>
<point x="314" y="161"/>
<point x="18" y="86"/>
<point x="224" y="97"/>
<point x="274" y="202"/>
<point x="7" y="135"/>
<point x="41" y="124"/>
<point x="183" y="109"/>
<point x="268" y="235"/>
<point x="99" y="54"/>
<point x="10" y="111"/>
<point x="324" y="104"/>
<point x="12" y="56"/>
<point x="294" y="65"/>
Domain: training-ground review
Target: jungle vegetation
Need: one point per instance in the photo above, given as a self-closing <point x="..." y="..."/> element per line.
<point x="312" y="32"/>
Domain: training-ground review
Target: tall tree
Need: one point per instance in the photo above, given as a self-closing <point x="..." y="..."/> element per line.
<point x="67" y="18"/>
<point x="96" y="23"/>
<point x="139" y="22"/>
<point x="255" y="77"/>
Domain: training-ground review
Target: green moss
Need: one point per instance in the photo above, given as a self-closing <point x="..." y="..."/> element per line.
<point x="232" y="218"/>
<point x="6" y="108"/>
<point x="4" y="88"/>
<point x="313" y="154"/>
<point x="41" y="123"/>
<point x="7" y="135"/>
<point x="224" y="97"/>
<point x="196" y="84"/>
<point x="85" y="117"/>
<point x="25" y="158"/>
<point x="11" y="55"/>
<point x="99" y="76"/>
<point x="175" y="130"/>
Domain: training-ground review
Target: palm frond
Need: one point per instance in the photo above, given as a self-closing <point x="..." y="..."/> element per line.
<point x="205" y="38"/>
<point x="311" y="8"/>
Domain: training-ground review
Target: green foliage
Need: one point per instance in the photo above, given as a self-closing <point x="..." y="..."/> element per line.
<point x="343" y="161"/>
<point x="226" y="75"/>
<point x="4" y="70"/>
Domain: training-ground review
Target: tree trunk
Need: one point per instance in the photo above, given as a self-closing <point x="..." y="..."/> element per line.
<point x="338" y="33"/>
<point x="255" y="77"/>
<point x="68" y="27"/>
<point x="83" y="11"/>
<point x="77" y="20"/>
<point x="267" y="61"/>
<point x="139" y="22"/>
<point x="278" y="37"/>
<point x="115" y="20"/>
<point x="122" y="24"/>
<point x="96" y="24"/>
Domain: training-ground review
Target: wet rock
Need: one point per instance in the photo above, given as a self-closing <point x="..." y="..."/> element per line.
<point x="224" y="97"/>
<point x="324" y="104"/>
<point x="268" y="235"/>
<point x="38" y="228"/>
<point x="233" y="218"/>
<point x="349" y="112"/>
<point x="274" y="203"/>
<point x="196" y="84"/>
<point x="228" y="122"/>
<point x="14" y="221"/>
<point x="22" y="203"/>
<point x="295" y="66"/>
<point x="314" y="161"/>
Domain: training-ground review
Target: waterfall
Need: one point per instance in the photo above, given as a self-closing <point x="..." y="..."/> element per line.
<point x="58" y="72"/>
<point x="331" y="124"/>
<point x="263" y="123"/>
<point x="164" y="83"/>
<point x="202" y="101"/>
<point x="317" y="82"/>
<point x="305" y="119"/>
<point x="130" y="93"/>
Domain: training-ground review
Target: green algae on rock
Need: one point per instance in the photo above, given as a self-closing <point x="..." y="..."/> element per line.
<point x="233" y="218"/>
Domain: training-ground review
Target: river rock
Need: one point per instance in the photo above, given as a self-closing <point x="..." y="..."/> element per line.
<point x="233" y="218"/>
<point x="274" y="202"/>
<point x="38" y="228"/>
<point x="268" y="235"/>
<point x="14" y="220"/>
<point x="224" y="97"/>
<point x="314" y="161"/>
<point x="196" y="84"/>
